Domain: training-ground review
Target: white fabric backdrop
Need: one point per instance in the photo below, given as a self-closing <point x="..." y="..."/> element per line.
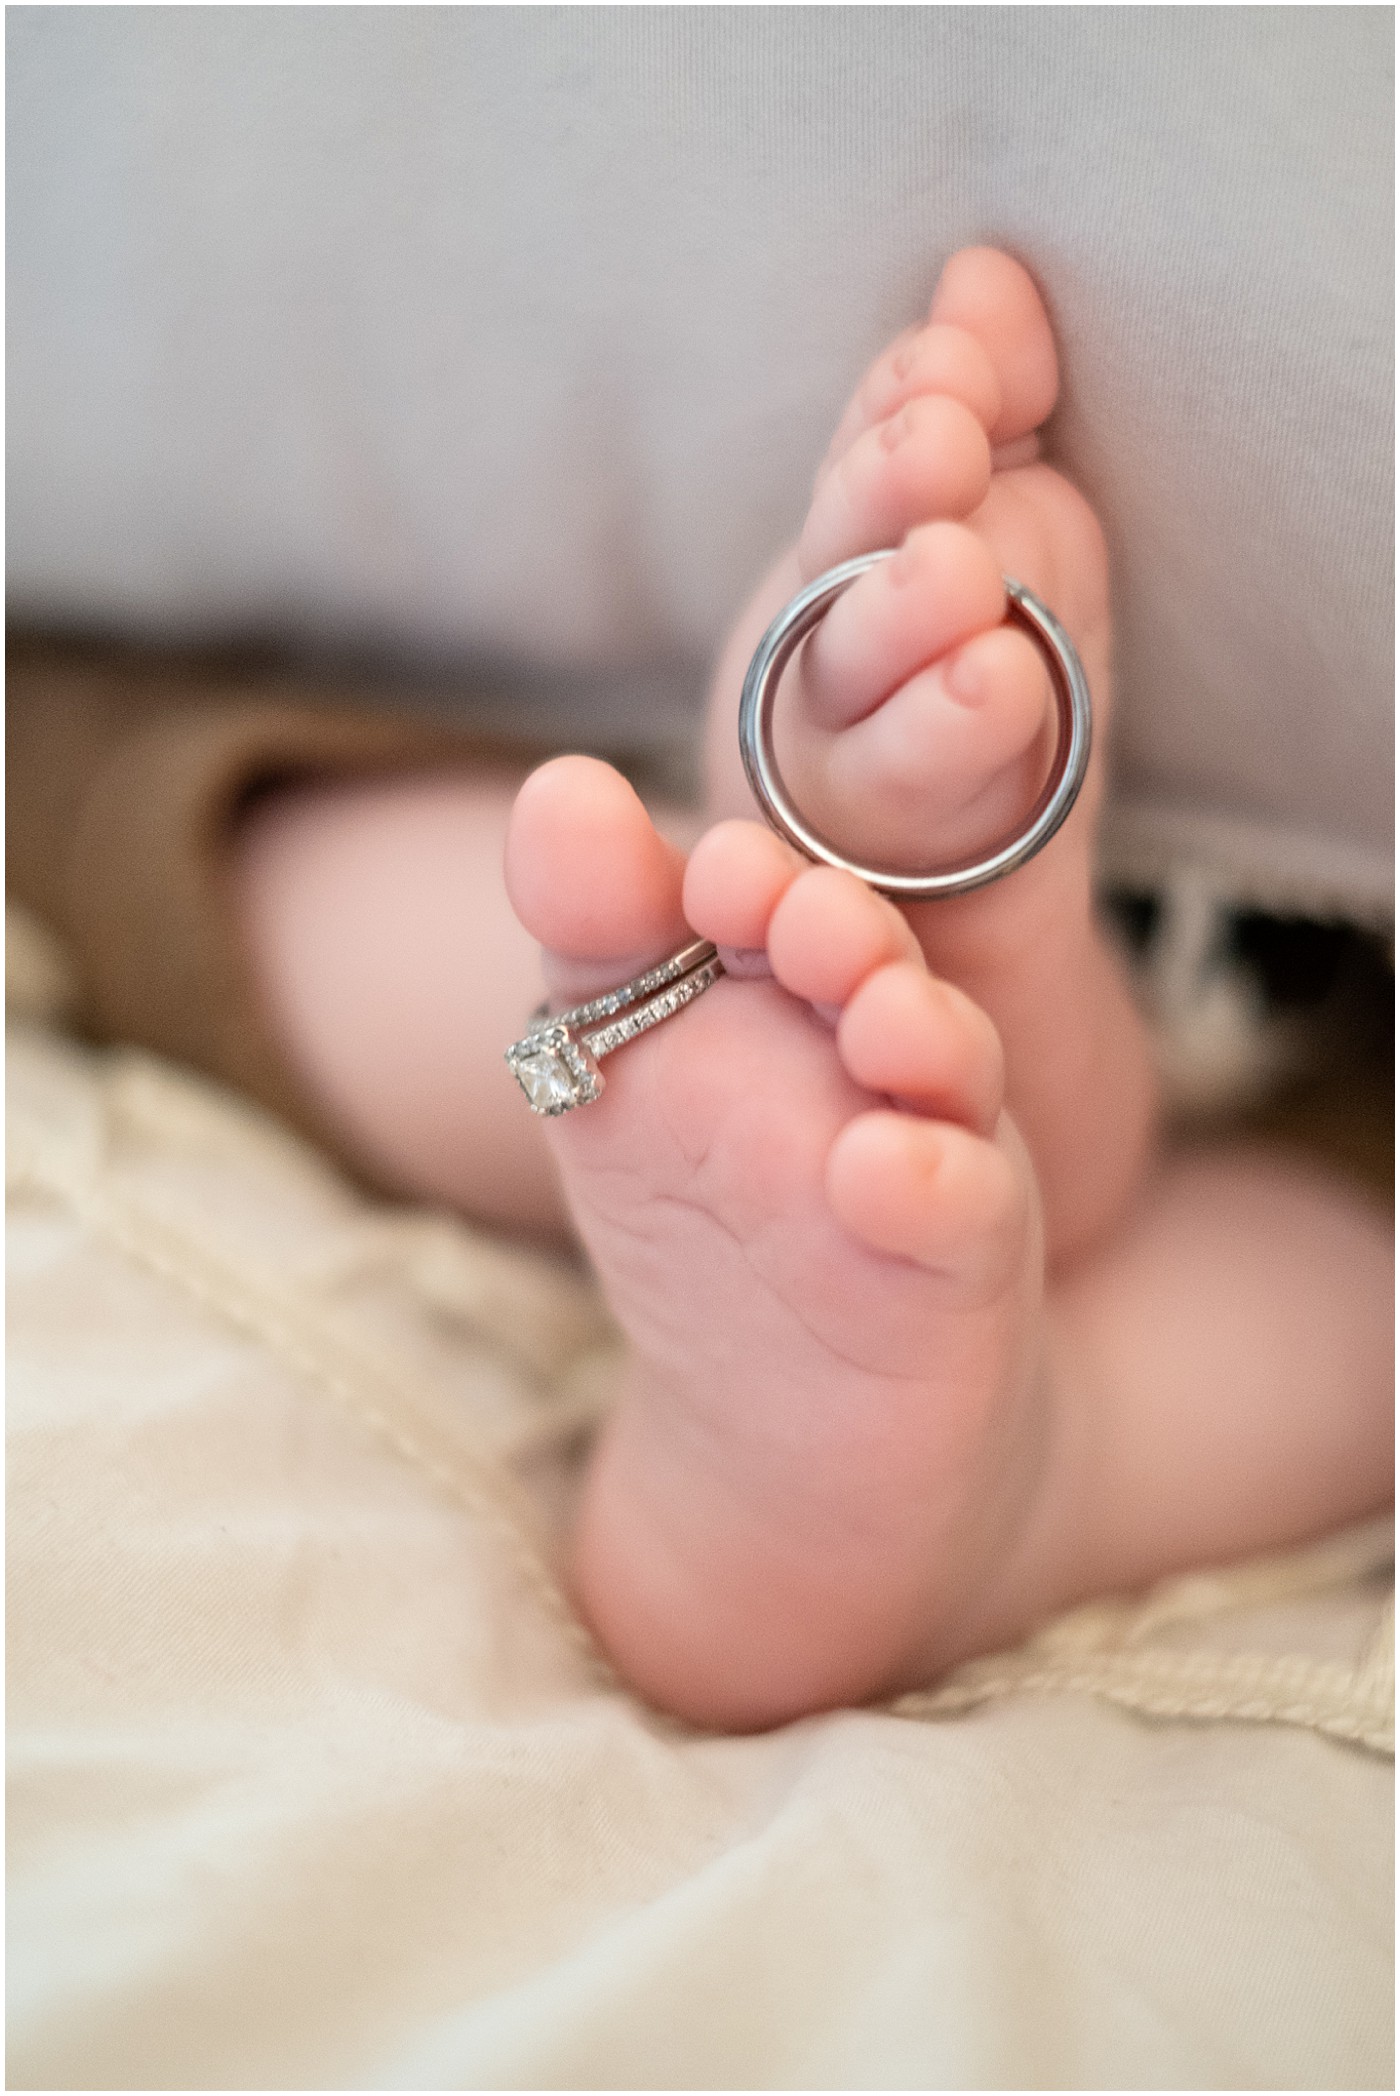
<point x="514" y="333"/>
<point x="314" y="1782"/>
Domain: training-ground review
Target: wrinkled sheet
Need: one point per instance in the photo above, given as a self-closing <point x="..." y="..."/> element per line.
<point x="315" y="1781"/>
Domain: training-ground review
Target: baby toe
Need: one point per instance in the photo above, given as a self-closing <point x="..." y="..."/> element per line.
<point x="925" y="360"/>
<point x="941" y="587"/>
<point x="994" y="299"/>
<point x="736" y="876"/>
<point x="949" y="765"/>
<point x="828" y="933"/>
<point x="932" y="1193"/>
<point x="923" y="1042"/>
<point x="916" y="727"/>
<point x="930" y="459"/>
<point x="589" y="875"/>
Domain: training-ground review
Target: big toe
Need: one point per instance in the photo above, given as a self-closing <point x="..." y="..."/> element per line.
<point x="996" y="301"/>
<point x="590" y="876"/>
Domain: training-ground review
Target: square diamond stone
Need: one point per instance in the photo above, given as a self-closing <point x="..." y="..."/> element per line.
<point x="546" y="1080"/>
<point x="554" y="1072"/>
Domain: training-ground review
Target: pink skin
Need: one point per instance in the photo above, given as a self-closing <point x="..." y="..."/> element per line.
<point x="914" y="713"/>
<point x="914" y="728"/>
<point x="861" y="1438"/>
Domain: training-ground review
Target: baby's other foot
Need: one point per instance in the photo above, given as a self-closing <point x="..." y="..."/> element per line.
<point x="915" y="728"/>
<point x="819" y="1230"/>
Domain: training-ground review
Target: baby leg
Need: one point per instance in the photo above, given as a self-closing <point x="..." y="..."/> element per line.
<point x="1229" y="1356"/>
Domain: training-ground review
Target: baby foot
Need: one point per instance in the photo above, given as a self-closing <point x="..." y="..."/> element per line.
<point x="915" y="728"/>
<point x="819" y="1230"/>
<point x="913" y="720"/>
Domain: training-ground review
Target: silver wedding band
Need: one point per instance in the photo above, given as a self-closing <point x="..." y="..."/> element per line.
<point x="1052" y="805"/>
<point x="556" y="1062"/>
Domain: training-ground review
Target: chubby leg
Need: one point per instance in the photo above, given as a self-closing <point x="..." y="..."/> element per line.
<point x="394" y="971"/>
<point x="1229" y="1356"/>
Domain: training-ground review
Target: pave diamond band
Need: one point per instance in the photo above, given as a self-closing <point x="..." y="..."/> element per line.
<point x="603" y="1007"/>
<point x="556" y="1064"/>
<point x="655" y="1009"/>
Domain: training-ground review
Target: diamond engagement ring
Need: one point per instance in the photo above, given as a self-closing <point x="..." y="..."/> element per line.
<point x="556" y="1066"/>
<point x="1056" y="797"/>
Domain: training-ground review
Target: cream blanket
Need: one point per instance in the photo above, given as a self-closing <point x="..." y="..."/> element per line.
<point x="316" y="1781"/>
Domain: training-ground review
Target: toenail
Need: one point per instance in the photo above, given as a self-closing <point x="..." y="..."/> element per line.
<point x="902" y="362"/>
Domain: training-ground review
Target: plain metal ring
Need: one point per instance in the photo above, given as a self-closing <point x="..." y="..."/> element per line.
<point x="1056" y="798"/>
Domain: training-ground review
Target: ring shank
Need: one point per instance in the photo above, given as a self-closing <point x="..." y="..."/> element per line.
<point x="1056" y="798"/>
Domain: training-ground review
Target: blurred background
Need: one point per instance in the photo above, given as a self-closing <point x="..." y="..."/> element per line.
<point x="476" y="359"/>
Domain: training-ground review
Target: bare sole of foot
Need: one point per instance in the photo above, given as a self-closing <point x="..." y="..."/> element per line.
<point x="857" y="1443"/>
<point x="820" y="1231"/>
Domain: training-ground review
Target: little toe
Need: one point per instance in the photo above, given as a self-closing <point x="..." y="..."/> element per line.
<point x="829" y="932"/>
<point x="930" y="459"/>
<point x="589" y="876"/>
<point x="932" y="1193"/>
<point x="995" y="299"/>
<point x="923" y="1042"/>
